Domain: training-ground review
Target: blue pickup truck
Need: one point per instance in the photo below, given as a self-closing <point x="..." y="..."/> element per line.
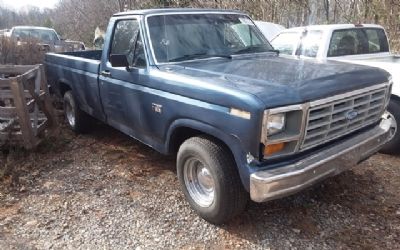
<point x="243" y="121"/>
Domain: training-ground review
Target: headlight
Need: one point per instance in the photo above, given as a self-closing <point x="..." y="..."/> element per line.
<point x="281" y="130"/>
<point x="276" y="123"/>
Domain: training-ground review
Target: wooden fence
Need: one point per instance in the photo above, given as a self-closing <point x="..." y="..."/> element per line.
<point x="26" y="109"/>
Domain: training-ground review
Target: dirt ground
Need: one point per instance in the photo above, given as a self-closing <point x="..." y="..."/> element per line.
<point x="105" y="190"/>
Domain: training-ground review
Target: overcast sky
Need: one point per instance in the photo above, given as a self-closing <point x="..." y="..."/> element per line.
<point x="18" y="4"/>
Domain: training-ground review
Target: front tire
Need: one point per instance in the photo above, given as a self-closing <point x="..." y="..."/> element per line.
<point x="209" y="179"/>
<point x="76" y="119"/>
<point x="393" y="146"/>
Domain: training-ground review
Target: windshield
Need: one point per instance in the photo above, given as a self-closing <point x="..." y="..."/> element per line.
<point x="183" y="37"/>
<point x="39" y="34"/>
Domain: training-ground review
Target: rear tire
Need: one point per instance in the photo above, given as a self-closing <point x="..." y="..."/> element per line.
<point x="76" y="119"/>
<point x="210" y="181"/>
<point x="393" y="146"/>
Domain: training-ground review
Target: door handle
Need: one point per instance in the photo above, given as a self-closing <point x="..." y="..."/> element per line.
<point x="105" y="73"/>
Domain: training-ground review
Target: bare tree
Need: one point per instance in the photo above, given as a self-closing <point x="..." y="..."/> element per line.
<point x="327" y="9"/>
<point x="77" y="19"/>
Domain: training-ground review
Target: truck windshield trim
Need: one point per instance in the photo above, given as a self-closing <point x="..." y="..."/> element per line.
<point x="256" y="34"/>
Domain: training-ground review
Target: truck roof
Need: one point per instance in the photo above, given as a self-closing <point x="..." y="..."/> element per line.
<point x="32" y="27"/>
<point x="327" y="27"/>
<point x="173" y="10"/>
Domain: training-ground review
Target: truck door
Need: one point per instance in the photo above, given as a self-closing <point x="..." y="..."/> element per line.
<point x="120" y="86"/>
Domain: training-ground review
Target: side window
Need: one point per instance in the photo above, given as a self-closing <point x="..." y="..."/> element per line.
<point x="377" y="40"/>
<point x="373" y="41"/>
<point x="383" y="40"/>
<point x="127" y="41"/>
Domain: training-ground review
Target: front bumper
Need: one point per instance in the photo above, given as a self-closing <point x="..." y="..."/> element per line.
<point x="276" y="183"/>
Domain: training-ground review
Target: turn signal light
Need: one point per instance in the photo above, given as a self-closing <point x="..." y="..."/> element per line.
<point x="273" y="148"/>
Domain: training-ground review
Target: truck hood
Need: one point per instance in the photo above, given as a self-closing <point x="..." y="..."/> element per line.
<point x="278" y="81"/>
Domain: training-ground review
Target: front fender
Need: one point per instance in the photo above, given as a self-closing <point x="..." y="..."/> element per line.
<point x="231" y="141"/>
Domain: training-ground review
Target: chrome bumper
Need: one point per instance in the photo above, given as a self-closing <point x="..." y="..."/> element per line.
<point x="276" y="183"/>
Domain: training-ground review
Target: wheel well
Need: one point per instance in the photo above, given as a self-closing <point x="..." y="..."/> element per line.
<point x="63" y="88"/>
<point x="395" y="97"/>
<point x="181" y="134"/>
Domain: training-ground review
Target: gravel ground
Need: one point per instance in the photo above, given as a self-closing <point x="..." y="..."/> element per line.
<point x="105" y="190"/>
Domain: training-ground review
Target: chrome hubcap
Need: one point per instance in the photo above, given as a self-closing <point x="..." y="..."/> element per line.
<point x="69" y="111"/>
<point x="199" y="182"/>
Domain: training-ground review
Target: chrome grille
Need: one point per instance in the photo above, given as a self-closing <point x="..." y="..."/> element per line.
<point x="338" y="117"/>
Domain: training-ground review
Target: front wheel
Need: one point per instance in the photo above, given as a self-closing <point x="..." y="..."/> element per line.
<point x="393" y="111"/>
<point x="209" y="179"/>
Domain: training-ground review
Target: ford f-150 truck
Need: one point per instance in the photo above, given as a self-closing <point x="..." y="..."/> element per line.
<point x="364" y="44"/>
<point x="207" y="86"/>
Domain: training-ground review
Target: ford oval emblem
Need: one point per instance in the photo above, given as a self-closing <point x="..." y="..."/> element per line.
<point x="351" y="115"/>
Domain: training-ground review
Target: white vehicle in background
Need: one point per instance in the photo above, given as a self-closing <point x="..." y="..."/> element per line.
<point x="364" y="44"/>
<point x="269" y="30"/>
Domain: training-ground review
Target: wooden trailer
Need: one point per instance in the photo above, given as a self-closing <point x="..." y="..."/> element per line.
<point x="26" y="110"/>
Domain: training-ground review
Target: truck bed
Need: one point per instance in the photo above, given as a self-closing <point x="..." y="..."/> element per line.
<point x="86" y="61"/>
<point x="386" y="59"/>
<point x="82" y="69"/>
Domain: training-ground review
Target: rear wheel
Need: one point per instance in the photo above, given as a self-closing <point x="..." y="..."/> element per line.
<point x="76" y="119"/>
<point x="209" y="179"/>
<point x="393" y="111"/>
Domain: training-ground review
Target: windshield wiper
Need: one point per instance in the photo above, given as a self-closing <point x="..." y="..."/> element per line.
<point x="255" y="48"/>
<point x="198" y="56"/>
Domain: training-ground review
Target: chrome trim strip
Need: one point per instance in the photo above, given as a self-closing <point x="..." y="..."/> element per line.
<point x="286" y="109"/>
<point x="264" y="131"/>
<point x="304" y="124"/>
<point x="287" y="138"/>
<point x="348" y="94"/>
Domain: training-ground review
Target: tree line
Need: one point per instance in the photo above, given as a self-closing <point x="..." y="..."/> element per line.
<point x="77" y="19"/>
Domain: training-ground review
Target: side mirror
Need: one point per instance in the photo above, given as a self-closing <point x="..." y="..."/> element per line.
<point x="119" y="60"/>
